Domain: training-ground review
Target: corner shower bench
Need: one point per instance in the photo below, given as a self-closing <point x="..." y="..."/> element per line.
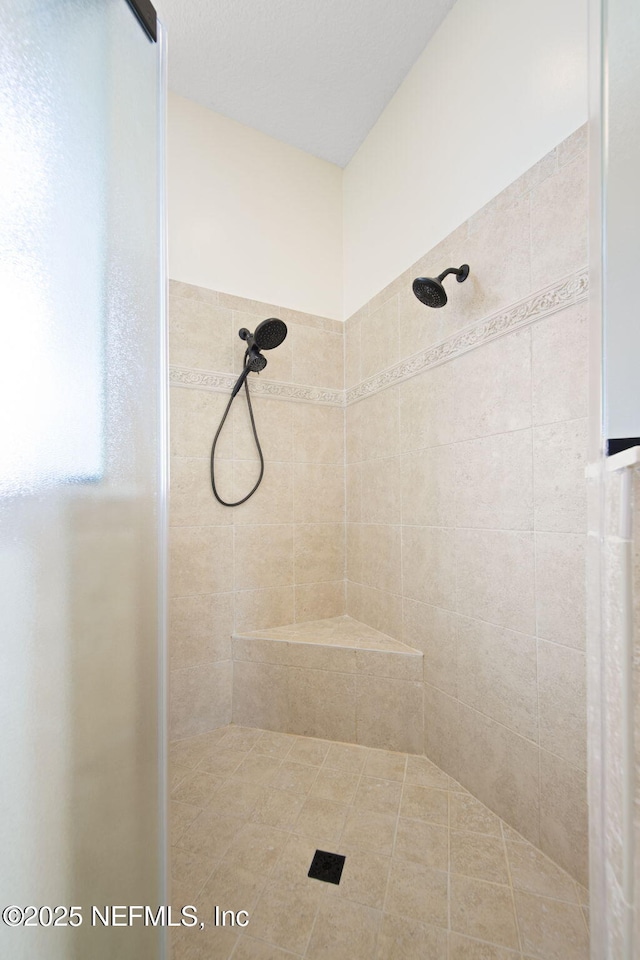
<point x="336" y="679"/>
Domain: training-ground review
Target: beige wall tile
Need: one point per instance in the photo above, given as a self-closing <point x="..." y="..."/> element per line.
<point x="273" y="500"/>
<point x="559" y="219"/>
<point x="318" y="433"/>
<point x="562" y="678"/>
<point x="322" y="704"/>
<point x="427" y="409"/>
<point x="200" y="335"/>
<point x="389" y="714"/>
<point x="494" y="482"/>
<point x="319" y="493"/>
<point x="353" y="491"/>
<point x="560" y="490"/>
<point x="200" y="629"/>
<point x="419" y="326"/>
<point x="560" y="347"/>
<point x="495" y="577"/>
<point x="268" y="607"/>
<point x="497" y="674"/>
<point x="200" y="560"/>
<point x="355" y="553"/>
<point x="442" y="730"/>
<point x="500" y="768"/>
<point x="424" y="773"/>
<point x="195" y="416"/>
<point x="317" y="600"/>
<point x="353" y="417"/>
<point x="260" y="695"/>
<point x="383" y="663"/>
<point x="262" y="309"/>
<point x="318" y="357"/>
<point x="492" y="387"/>
<point x="319" y="552"/>
<point x="577" y="143"/>
<point x="191" y="501"/>
<point x="428" y="487"/>
<point x="381" y="497"/>
<point x="428" y="565"/>
<point x="433" y="631"/>
<point x="263" y="556"/>
<point x="380" y="556"/>
<point x="498" y="252"/>
<point x="200" y="698"/>
<point x="321" y="656"/>
<point x="378" y="424"/>
<point x="560" y="587"/>
<point x="188" y="290"/>
<point x="352" y="351"/>
<point x="274" y="423"/>
<point x="377" y="608"/>
<point x="379" y="342"/>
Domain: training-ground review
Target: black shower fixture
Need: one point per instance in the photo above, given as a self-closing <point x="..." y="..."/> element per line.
<point x="429" y="290"/>
<point x="267" y="335"/>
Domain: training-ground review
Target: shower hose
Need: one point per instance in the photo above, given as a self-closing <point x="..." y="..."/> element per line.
<point x="237" y="503"/>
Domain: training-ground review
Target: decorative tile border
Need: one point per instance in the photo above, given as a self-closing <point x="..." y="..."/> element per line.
<point x="224" y="382"/>
<point x="548" y="301"/>
<point x="542" y="304"/>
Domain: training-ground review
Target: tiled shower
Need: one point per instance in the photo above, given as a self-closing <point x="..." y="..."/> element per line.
<point x="408" y="579"/>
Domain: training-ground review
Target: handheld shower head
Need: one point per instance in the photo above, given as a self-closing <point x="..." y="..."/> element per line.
<point x="431" y="292"/>
<point x="268" y="334"/>
<point x="255" y="361"/>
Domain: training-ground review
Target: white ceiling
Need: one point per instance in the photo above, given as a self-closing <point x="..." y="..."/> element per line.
<point x="313" y="73"/>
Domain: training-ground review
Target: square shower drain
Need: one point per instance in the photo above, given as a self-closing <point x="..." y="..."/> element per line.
<point x="326" y="866"/>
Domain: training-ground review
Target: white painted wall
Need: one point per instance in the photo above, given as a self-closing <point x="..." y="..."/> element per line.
<point x="500" y="84"/>
<point x="252" y="216"/>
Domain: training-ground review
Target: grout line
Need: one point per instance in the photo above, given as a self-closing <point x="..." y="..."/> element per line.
<point x="511" y="889"/>
<point x="448" y="864"/>
<point x="535" y="596"/>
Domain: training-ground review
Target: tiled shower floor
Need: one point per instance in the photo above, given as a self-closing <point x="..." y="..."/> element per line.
<point x="430" y="873"/>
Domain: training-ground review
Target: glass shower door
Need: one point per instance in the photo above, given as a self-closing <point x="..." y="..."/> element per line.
<point x="82" y="475"/>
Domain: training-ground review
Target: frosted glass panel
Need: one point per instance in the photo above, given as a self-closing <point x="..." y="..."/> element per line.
<point x="621" y="218"/>
<point x="82" y="488"/>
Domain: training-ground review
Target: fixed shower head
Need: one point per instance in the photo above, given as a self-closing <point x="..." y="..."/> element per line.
<point x="270" y="333"/>
<point x="430" y="291"/>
